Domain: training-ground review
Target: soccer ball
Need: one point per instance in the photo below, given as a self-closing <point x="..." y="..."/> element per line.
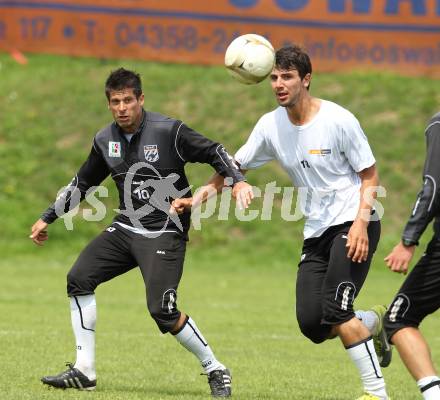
<point x="250" y="58"/>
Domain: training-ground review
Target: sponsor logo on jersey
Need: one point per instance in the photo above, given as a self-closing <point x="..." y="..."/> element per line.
<point x="151" y="152"/>
<point x="321" y="152"/>
<point x="114" y="149"/>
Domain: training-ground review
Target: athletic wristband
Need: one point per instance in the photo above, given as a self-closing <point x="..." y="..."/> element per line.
<point x="409" y="242"/>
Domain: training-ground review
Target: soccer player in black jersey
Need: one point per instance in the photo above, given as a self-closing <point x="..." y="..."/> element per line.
<point x="145" y="153"/>
<point x="419" y="295"/>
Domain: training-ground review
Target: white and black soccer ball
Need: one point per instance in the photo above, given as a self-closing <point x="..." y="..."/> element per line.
<point x="250" y="58"/>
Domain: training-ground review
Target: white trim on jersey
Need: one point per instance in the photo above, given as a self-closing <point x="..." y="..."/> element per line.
<point x="68" y="188"/>
<point x="430" y="125"/>
<point x="175" y="143"/>
<point x="140" y="231"/>
<point x="433" y="192"/>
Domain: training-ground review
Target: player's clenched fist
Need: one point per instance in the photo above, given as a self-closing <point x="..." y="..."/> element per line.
<point x="179" y="206"/>
<point x="39" y="232"/>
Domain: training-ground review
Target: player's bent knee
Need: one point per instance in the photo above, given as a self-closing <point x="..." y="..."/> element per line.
<point x="78" y="285"/>
<point x="313" y="330"/>
<point x="314" y="335"/>
<point x="165" y="322"/>
<point x="165" y="312"/>
<point x="164" y="325"/>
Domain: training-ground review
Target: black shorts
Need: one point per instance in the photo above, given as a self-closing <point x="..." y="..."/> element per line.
<point x="419" y="295"/>
<point x="118" y="250"/>
<point x="328" y="281"/>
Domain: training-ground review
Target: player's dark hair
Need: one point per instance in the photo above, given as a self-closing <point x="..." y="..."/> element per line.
<point x="123" y="79"/>
<point x="294" y="56"/>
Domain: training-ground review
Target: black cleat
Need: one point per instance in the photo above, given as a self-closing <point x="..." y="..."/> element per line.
<point x="71" y="378"/>
<point x="220" y="383"/>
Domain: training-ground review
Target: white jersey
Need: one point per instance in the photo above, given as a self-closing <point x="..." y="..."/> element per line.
<point x="322" y="159"/>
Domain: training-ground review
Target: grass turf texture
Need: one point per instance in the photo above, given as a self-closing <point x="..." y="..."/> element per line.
<point x="245" y="311"/>
<point x="239" y="279"/>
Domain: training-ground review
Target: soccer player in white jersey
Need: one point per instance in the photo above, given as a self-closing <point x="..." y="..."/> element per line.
<point x="324" y="150"/>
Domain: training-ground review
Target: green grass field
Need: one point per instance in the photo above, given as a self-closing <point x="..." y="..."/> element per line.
<point x="239" y="279"/>
<point x="245" y="311"/>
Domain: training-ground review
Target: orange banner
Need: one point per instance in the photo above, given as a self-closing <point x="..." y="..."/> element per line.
<point x="399" y="35"/>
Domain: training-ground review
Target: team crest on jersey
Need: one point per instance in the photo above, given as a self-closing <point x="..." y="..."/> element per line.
<point x="151" y="152"/>
<point x="114" y="149"/>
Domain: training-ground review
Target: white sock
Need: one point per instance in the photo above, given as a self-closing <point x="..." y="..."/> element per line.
<point x="369" y="319"/>
<point x="191" y="338"/>
<point x="83" y="314"/>
<point x="429" y="393"/>
<point x="365" y="359"/>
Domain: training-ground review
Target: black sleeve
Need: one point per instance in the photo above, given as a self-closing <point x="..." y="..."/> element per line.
<point x="194" y="147"/>
<point x="427" y="205"/>
<point x="92" y="173"/>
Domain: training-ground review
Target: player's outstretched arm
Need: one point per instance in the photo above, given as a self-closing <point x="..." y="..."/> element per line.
<point x="39" y="232"/>
<point x="241" y="191"/>
<point x="212" y="188"/>
<point x="193" y="147"/>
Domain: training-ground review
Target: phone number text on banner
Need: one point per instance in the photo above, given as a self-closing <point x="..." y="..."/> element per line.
<point x="400" y="35"/>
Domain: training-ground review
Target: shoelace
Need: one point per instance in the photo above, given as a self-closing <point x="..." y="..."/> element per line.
<point x="216" y="379"/>
<point x="71" y="368"/>
<point x="214" y="376"/>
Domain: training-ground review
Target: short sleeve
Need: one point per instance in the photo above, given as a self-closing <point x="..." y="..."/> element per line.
<point x="256" y="151"/>
<point x="355" y="145"/>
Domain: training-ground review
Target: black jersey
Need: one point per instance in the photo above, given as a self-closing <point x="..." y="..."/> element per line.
<point x="427" y="206"/>
<point x="148" y="171"/>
